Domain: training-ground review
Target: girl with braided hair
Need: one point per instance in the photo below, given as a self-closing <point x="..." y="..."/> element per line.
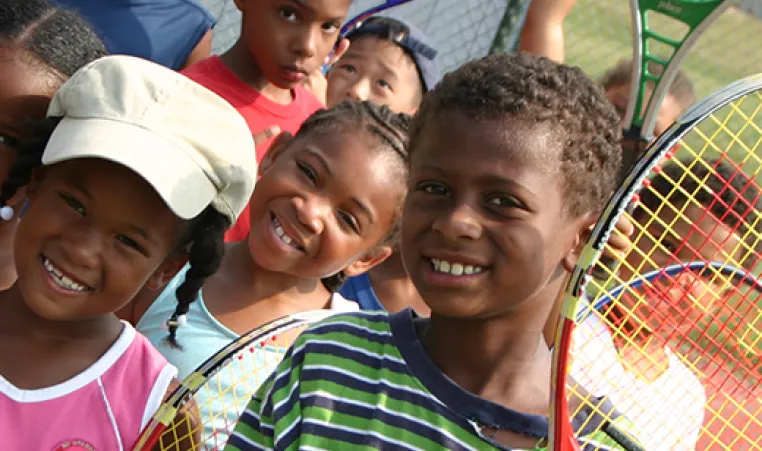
<point x="327" y="206"/>
<point x="135" y="166"/>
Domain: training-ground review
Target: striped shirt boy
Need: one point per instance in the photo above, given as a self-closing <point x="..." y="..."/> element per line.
<point x="363" y="380"/>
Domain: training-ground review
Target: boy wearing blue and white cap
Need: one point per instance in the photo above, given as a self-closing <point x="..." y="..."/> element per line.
<point x="389" y="62"/>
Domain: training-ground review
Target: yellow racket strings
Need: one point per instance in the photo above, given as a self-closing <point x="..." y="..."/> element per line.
<point x="209" y="417"/>
<point x="693" y="338"/>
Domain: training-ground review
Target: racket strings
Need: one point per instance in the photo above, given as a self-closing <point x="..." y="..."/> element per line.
<point x="214" y="409"/>
<point x="691" y="337"/>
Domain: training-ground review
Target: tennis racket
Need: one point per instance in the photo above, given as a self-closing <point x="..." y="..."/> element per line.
<point x="663" y="32"/>
<point x="662" y="347"/>
<point x="202" y="412"/>
<point x="357" y="20"/>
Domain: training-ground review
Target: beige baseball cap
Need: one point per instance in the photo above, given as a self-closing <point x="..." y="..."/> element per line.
<point x="192" y="146"/>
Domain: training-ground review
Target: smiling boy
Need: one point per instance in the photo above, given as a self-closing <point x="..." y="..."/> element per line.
<point x="512" y="158"/>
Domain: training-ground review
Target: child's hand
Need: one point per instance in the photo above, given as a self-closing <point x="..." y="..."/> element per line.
<point x="264" y="135"/>
<point x="316" y="83"/>
<point x="619" y="241"/>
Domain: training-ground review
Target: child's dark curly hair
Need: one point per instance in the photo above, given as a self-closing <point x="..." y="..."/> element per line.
<point x="203" y="238"/>
<point x="389" y="130"/>
<point x="534" y="90"/>
<point x="58" y="40"/>
<point x="732" y="197"/>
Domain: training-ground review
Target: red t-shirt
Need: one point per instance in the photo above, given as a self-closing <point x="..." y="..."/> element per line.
<point x="259" y="112"/>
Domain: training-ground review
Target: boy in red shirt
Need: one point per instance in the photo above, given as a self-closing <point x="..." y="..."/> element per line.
<point x="262" y="75"/>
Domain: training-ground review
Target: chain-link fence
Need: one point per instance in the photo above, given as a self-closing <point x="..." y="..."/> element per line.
<point x="598" y="33"/>
<point x="460" y="30"/>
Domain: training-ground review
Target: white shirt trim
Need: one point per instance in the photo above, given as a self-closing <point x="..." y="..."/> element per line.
<point x="92" y="373"/>
<point x="159" y="390"/>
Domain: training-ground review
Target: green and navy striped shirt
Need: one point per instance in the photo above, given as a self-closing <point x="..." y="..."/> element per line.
<point x="363" y="381"/>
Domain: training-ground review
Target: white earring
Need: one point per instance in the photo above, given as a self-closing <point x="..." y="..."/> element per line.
<point x="6" y="213"/>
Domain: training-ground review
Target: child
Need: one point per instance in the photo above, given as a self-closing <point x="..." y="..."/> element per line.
<point x="136" y="164"/>
<point x="389" y="62"/>
<point x="393" y="63"/>
<point x="650" y="390"/>
<point x="327" y="206"/>
<point x="512" y="158"/>
<point x="40" y="47"/>
<point x="262" y="74"/>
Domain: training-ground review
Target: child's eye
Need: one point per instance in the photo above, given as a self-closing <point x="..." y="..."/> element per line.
<point x="289" y="14"/>
<point x="669" y="246"/>
<point x="130" y="243"/>
<point x="73" y="203"/>
<point x="7" y="141"/>
<point x="349" y="220"/>
<point x="384" y="84"/>
<point x="307" y="171"/>
<point x="505" y="201"/>
<point x="331" y="27"/>
<point x="348" y="68"/>
<point x="432" y="188"/>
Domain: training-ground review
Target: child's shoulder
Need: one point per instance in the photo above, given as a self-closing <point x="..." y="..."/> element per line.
<point x="351" y="326"/>
<point x="207" y="69"/>
<point x="361" y="337"/>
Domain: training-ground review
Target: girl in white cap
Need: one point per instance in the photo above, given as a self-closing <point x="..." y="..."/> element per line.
<point x="135" y="166"/>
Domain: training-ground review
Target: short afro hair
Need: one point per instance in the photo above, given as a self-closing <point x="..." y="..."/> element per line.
<point x="538" y="90"/>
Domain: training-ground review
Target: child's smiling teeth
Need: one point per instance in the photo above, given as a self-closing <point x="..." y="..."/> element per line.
<point x="453" y="268"/>
<point x="283" y="236"/>
<point x="60" y="279"/>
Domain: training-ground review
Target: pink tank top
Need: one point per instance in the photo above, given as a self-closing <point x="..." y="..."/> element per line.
<point x="104" y="408"/>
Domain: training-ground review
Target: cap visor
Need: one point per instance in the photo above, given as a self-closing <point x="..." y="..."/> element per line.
<point x="176" y="177"/>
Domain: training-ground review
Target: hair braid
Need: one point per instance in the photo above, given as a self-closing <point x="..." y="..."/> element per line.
<point x="207" y="247"/>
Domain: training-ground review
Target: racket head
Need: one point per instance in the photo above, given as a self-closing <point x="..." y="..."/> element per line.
<point x="202" y="412"/>
<point x="697" y="211"/>
<point x="658" y="51"/>
<point x="357" y="20"/>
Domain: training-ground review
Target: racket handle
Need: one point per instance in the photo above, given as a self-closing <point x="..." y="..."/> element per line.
<point x="633" y="147"/>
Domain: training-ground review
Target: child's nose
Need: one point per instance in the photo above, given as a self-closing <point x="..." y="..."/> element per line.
<point x="359" y="91"/>
<point x="691" y="295"/>
<point x="305" y="44"/>
<point x="311" y="213"/>
<point x="82" y="247"/>
<point x="460" y="222"/>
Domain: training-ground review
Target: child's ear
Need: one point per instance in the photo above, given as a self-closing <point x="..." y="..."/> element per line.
<point x="369" y="261"/>
<point x="341" y="48"/>
<point x="585" y="226"/>
<point x="167" y="270"/>
<point x="279" y="144"/>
